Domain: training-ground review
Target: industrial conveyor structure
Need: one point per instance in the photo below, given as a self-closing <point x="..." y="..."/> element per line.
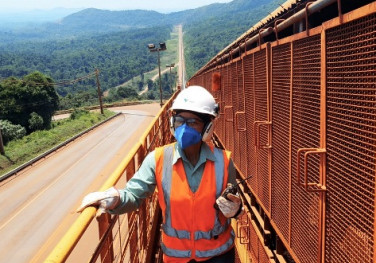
<point x="297" y="96"/>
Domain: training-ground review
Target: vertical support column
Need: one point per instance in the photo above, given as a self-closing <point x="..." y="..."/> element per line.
<point x="322" y="194"/>
<point x="269" y="116"/>
<point x="254" y="118"/>
<point x="290" y="140"/>
<point x="107" y="251"/>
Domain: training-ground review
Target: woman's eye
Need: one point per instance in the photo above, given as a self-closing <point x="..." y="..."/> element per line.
<point x="192" y="122"/>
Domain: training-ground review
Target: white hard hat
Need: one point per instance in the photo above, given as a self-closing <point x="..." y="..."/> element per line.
<point x="196" y="99"/>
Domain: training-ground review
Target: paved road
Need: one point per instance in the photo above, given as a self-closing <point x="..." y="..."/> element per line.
<point x="38" y="204"/>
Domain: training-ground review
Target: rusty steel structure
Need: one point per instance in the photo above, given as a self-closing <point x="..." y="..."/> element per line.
<point x="298" y="111"/>
<point x="297" y="96"/>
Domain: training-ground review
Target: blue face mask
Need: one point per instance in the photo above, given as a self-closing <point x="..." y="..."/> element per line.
<point x="186" y="136"/>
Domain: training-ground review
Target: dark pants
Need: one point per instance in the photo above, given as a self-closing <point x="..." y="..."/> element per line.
<point x="228" y="257"/>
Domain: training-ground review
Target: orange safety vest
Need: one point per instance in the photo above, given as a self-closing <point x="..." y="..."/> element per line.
<point x="192" y="227"/>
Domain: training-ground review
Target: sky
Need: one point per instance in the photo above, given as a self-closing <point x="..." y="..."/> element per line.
<point x="163" y="6"/>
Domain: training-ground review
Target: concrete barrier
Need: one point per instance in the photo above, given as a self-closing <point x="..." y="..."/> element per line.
<point x="43" y="155"/>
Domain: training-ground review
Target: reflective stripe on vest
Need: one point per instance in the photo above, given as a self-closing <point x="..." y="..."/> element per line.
<point x="166" y="185"/>
<point x="217" y="251"/>
<point x="218" y="228"/>
<point x="200" y="254"/>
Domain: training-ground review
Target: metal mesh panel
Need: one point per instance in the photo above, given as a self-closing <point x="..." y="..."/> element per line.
<point x="236" y="100"/>
<point x="239" y="91"/>
<point x="207" y="81"/>
<point x="263" y="255"/>
<point x="351" y="140"/>
<point x="281" y="75"/>
<point x="261" y="103"/>
<point x="254" y="244"/>
<point x="210" y="77"/>
<point x="305" y="134"/>
<point x="229" y="108"/>
<point x="217" y="93"/>
<point x="220" y="123"/>
<point x="241" y="119"/>
<point x="256" y="247"/>
<point x="250" y="113"/>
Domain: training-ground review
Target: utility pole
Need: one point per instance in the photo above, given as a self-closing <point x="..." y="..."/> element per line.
<point x="170" y="79"/>
<point x="1" y="143"/>
<point x="99" y="90"/>
<point x="160" y="79"/>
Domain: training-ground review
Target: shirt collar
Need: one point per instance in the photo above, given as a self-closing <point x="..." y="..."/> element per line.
<point x="205" y="154"/>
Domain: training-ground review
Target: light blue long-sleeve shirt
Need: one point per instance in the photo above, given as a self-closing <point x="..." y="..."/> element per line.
<point x="143" y="182"/>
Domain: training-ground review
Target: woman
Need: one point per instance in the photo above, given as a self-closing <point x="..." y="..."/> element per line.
<point x="190" y="176"/>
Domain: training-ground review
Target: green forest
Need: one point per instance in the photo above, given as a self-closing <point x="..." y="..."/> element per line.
<point x="50" y="67"/>
<point x="205" y="39"/>
<point x="119" y="56"/>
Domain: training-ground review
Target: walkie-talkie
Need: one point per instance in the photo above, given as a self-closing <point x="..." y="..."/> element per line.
<point x="231" y="189"/>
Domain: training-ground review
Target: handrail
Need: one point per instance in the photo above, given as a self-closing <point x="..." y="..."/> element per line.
<point x="66" y="245"/>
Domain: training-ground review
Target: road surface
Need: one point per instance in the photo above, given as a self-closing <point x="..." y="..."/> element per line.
<point x="38" y="204"/>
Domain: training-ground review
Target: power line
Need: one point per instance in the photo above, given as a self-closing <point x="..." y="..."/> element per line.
<point x="58" y="83"/>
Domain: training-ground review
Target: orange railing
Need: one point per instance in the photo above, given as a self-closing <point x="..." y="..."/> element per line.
<point x="125" y="238"/>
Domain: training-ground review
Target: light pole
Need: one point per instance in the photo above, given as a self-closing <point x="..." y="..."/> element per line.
<point x="153" y="48"/>
<point x="99" y="90"/>
<point x="170" y="66"/>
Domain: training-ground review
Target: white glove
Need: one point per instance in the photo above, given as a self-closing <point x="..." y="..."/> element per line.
<point x="230" y="207"/>
<point x="106" y="200"/>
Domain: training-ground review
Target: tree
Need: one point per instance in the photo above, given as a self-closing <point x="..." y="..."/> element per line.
<point x="150" y="84"/>
<point x="127" y="92"/>
<point x="140" y="85"/>
<point x="35" y="122"/>
<point x="120" y="56"/>
<point x="11" y="131"/>
<point x="34" y="93"/>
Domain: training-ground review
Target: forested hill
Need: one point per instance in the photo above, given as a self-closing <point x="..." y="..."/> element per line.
<point x="104" y="19"/>
<point x="224" y="23"/>
<point x="115" y="41"/>
<point x="119" y="56"/>
<point x="89" y="21"/>
<point x="98" y="21"/>
<point x="95" y="19"/>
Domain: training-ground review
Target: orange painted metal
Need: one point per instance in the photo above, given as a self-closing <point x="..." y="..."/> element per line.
<point x="288" y="238"/>
<point x="315" y="187"/>
<point x="350" y="136"/>
<point x="107" y="249"/>
<point x="301" y="77"/>
<point x="306" y="17"/>
<point x="323" y="168"/>
<point x="276" y="22"/>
